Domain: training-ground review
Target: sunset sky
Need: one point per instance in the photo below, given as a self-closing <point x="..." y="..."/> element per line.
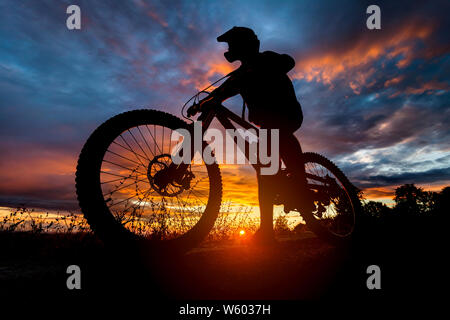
<point x="376" y="102"/>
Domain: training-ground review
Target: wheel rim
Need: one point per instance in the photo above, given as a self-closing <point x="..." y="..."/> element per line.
<point x="128" y="177"/>
<point x="334" y="210"/>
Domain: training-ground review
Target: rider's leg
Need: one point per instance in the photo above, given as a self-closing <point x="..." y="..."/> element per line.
<point x="266" y="196"/>
<point x="291" y="153"/>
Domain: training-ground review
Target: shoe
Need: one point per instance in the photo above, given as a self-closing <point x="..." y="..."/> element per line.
<point x="307" y="203"/>
<point x="304" y="203"/>
<point x="261" y="238"/>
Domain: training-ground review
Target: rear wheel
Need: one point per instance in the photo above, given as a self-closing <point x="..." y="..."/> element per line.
<point x="337" y="206"/>
<point x="127" y="189"/>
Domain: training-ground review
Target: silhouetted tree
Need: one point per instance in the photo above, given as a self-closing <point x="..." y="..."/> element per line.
<point x="443" y="201"/>
<point x="411" y="200"/>
<point x="415" y="210"/>
<point x="376" y="209"/>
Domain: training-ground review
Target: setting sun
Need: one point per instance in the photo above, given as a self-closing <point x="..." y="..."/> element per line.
<point x="242" y="232"/>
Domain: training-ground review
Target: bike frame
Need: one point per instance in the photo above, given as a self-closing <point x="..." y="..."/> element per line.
<point x="225" y="116"/>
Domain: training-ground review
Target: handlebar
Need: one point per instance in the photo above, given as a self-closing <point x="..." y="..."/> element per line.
<point x="197" y="107"/>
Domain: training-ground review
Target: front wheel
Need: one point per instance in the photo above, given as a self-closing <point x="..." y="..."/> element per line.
<point x="336" y="216"/>
<point x="127" y="188"/>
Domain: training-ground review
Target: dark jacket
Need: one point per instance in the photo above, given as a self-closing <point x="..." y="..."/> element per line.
<point x="268" y="91"/>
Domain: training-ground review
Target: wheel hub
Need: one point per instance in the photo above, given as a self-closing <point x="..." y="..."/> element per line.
<point x="164" y="179"/>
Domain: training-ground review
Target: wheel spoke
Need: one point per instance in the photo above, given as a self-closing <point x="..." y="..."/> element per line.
<point x="156" y="144"/>
<point x="131" y="133"/>
<point x="118" y="165"/>
<point x="145" y="140"/>
<point x="338" y="209"/>
<point x="123" y="187"/>
<point x="137" y="155"/>
<point x="123" y="157"/>
<point x="139" y="204"/>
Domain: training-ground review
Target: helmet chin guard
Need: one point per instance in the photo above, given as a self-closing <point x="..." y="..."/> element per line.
<point x="230" y="57"/>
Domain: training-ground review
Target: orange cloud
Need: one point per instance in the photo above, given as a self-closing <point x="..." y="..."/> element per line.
<point x="328" y="65"/>
<point x="393" y="81"/>
<point x="386" y="194"/>
<point x="38" y="173"/>
<point x="431" y="87"/>
<point x="151" y="12"/>
<point x="428" y="86"/>
<point x="157" y="18"/>
<point x="239" y="184"/>
<point x="199" y="73"/>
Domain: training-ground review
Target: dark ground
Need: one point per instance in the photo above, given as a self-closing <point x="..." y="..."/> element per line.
<point x="302" y="269"/>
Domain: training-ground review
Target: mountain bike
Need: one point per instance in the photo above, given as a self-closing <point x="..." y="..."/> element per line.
<point x="130" y="189"/>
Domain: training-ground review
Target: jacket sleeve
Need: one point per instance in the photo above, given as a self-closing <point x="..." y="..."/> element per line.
<point x="229" y="88"/>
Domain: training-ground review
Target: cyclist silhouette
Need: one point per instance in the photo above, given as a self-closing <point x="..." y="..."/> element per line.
<point x="263" y="83"/>
<point x="115" y="202"/>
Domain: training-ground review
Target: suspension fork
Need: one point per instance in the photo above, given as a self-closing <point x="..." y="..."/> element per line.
<point x="177" y="171"/>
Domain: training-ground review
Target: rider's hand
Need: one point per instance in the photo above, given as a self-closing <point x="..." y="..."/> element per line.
<point x="203" y="105"/>
<point x="192" y="110"/>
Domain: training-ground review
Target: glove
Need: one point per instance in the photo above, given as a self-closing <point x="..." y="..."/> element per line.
<point x="201" y="106"/>
<point x="193" y="110"/>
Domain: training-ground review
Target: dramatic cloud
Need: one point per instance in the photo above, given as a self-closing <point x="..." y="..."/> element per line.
<point x="375" y="101"/>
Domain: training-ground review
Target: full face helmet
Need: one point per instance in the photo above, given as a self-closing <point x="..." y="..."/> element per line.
<point x="242" y="43"/>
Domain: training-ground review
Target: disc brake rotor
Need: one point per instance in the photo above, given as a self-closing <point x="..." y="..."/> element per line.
<point x="163" y="180"/>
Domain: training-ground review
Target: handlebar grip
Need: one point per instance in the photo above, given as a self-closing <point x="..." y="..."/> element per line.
<point x="193" y="110"/>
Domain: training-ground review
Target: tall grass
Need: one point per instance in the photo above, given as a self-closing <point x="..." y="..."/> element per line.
<point x="29" y="220"/>
<point x="230" y="222"/>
